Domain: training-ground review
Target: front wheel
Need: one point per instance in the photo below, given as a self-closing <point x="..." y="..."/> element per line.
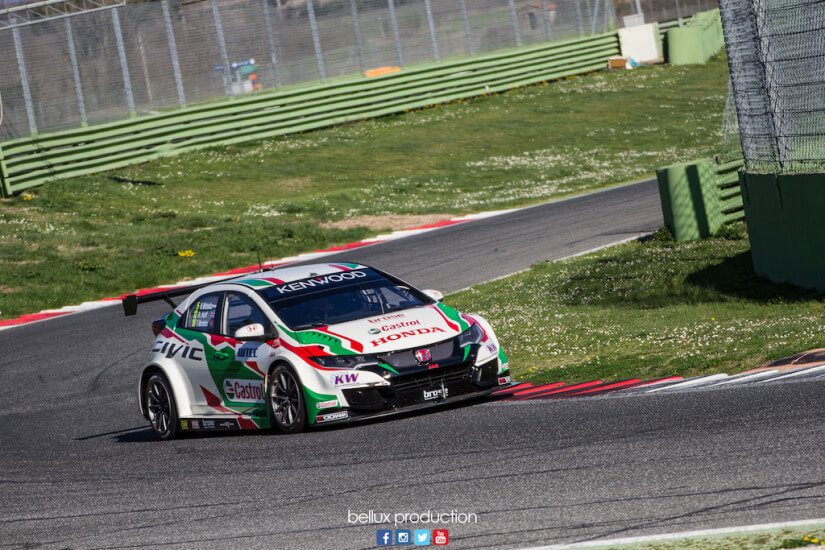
<point x="286" y="401"/>
<point x="161" y="408"/>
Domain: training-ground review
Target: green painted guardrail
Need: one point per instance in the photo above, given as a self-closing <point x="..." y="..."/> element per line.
<point x="34" y="160"/>
<point x="700" y="197"/>
<point x="697" y="41"/>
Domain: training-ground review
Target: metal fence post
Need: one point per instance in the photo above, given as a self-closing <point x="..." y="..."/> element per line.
<point x="78" y="88"/>
<point x="316" y="40"/>
<point x="594" y="20"/>
<point x="396" y="35"/>
<point x="24" y="79"/>
<point x="514" y="20"/>
<point x="678" y="13"/>
<point x="173" y="51"/>
<point x="216" y="17"/>
<point x="589" y="12"/>
<point x="270" y="36"/>
<point x="431" y="25"/>
<point x="579" y="19"/>
<point x="359" y="40"/>
<point x="124" y="65"/>
<point x="466" y="18"/>
<point x="545" y="16"/>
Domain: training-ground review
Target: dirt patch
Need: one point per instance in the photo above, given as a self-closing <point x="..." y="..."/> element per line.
<point x="389" y="221"/>
<point x="7" y="289"/>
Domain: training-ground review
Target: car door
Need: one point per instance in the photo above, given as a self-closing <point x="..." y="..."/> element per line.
<point x="206" y="369"/>
<point x="242" y="386"/>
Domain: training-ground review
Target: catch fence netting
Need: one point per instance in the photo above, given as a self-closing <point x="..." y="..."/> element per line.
<point x="776" y="51"/>
<point x="146" y="57"/>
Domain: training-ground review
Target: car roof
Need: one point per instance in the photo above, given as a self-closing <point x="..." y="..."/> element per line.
<point x="282" y="275"/>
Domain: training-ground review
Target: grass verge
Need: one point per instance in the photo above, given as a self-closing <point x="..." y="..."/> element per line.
<point x="779" y="539"/>
<point x="88" y="237"/>
<point x="648" y="309"/>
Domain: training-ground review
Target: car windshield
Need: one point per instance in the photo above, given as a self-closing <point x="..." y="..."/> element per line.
<point x="340" y="297"/>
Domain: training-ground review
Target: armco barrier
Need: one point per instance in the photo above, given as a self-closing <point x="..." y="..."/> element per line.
<point x="697" y="41"/>
<point x="699" y="197"/>
<point x="34" y="160"/>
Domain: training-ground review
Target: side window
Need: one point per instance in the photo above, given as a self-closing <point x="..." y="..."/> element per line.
<point x="203" y="314"/>
<point x="241" y="311"/>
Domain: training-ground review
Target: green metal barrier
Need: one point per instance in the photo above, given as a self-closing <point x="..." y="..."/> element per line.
<point x="697" y="41"/>
<point x="699" y="197"/>
<point x="35" y="160"/>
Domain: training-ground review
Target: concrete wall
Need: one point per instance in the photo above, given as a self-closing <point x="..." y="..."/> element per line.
<point x="784" y="214"/>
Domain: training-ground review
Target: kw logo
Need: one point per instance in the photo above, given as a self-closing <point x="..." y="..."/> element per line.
<point x="347" y="378"/>
<point x="171" y="350"/>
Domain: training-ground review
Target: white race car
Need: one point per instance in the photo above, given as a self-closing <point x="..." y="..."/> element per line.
<point x="300" y="346"/>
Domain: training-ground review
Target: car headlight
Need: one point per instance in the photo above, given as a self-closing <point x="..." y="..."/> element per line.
<point x="345" y="361"/>
<point x="472" y="335"/>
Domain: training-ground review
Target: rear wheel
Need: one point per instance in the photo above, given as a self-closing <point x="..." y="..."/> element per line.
<point x="286" y="401"/>
<point x="160" y="407"/>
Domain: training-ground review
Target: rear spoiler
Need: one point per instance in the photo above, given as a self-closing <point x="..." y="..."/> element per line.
<point x="130" y="301"/>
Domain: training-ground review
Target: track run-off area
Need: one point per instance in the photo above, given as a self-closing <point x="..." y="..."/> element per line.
<point x="81" y="468"/>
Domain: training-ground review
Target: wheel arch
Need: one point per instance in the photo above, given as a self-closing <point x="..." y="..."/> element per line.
<point x="176" y="381"/>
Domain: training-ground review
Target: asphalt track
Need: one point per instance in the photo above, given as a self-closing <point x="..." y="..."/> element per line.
<point x="80" y="468"/>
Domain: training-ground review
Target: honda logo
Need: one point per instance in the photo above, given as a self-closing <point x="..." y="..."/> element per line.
<point x="423" y="355"/>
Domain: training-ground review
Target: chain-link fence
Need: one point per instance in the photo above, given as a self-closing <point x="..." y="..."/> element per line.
<point x="776" y="52"/>
<point x="145" y="57"/>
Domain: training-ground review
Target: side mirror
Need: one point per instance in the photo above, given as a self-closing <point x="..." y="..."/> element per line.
<point x="254" y="332"/>
<point x="436" y="295"/>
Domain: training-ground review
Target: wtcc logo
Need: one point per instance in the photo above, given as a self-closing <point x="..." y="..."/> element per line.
<point x="244" y="391"/>
<point x="346" y="378"/>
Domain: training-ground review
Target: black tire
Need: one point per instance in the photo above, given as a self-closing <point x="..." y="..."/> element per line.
<point x="285" y="400"/>
<point x="159" y="403"/>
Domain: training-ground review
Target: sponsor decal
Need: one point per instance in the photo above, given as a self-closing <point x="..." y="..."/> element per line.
<point x="327" y="404"/>
<point x="244" y="391"/>
<point x="387" y="318"/>
<point x="406" y="334"/>
<point x="374" y="330"/>
<point x="184" y="424"/>
<point x="432" y="366"/>
<point x="402" y="324"/>
<point x="196" y="424"/>
<point x="320" y="281"/>
<point x="344" y="378"/>
<point x="423" y="355"/>
<point x="503" y="380"/>
<point x="492" y="348"/>
<point x="247" y="352"/>
<point x="439" y="393"/>
<point x="227" y="424"/>
<point x="208" y="424"/>
<point x="340" y="415"/>
<point x="170" y="349"/>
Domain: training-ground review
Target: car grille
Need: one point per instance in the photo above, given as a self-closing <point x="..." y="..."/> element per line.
<point x="441" y="352"/>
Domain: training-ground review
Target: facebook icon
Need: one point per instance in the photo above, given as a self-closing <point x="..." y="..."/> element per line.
<point x="383" y="537"/>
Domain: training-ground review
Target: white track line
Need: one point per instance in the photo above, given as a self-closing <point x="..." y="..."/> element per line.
<point x="691" y="383"/>
<point x="742" y="378"/>
<point x="683" y="535"/>
<point x="799" y="372"/>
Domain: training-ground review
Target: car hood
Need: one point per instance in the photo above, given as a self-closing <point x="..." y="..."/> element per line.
<point x="404" y="329"/>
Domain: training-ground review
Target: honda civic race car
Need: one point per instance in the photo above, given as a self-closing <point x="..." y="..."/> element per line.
<point x="301" y="346"/>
